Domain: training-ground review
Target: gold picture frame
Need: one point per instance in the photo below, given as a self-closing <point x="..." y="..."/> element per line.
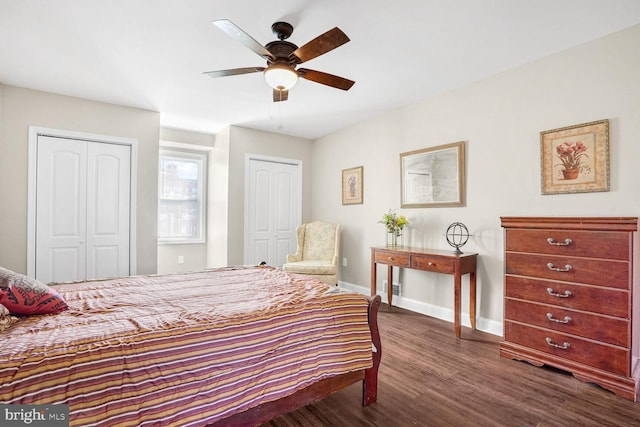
<point x="433" y="177"/>
<point x="352" y="186"/>
<point x="575" y="159"/>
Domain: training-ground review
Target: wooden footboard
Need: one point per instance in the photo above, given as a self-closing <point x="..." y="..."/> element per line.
<point x="319" y="390"/>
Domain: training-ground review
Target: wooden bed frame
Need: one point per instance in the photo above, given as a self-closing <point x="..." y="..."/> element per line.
<point x="317" y="391"/>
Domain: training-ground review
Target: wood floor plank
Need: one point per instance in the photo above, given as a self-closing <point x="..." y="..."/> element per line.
<point x="430" y="378"/>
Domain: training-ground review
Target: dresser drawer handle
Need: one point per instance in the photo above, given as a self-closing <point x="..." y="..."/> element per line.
<point x="553" y="268"/>
<point x="566" y="319"/>
<point x="390" y="258"/>
<point x="566" y="294"/>
<point x="565" y="345"/>
<point x="566" y="242"/>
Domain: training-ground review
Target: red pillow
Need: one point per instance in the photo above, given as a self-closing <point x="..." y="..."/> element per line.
<point x="24" y="295"/>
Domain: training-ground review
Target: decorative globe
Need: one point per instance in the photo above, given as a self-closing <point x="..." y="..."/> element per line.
<point x="457" y="236"/>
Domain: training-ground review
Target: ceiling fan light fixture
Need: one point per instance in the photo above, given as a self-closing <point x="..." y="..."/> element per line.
<point x="281" y="76"/>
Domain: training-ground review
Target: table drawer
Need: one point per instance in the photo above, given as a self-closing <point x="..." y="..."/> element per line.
<point x="598" y="244"/>
<point x="439" y="265"/>
<point x="610" y="273"/>
<point x="600" y="328"/>
<point x="602" y="356"/>
<point x="612" y="302"/>
<point x="392" y="258"/>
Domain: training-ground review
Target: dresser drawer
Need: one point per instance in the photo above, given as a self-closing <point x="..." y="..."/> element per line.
<point x="600" y="328"/>
<point x="391" y="258"/>
<point x="597" y="244"/>
<point x="612" y="302"/>
<point x="602" y="356"/>
<point x="610" y="273"/>
<point x="439" y="265"/>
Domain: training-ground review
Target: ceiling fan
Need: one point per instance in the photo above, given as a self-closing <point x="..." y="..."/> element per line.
<point x="283" y="57"/>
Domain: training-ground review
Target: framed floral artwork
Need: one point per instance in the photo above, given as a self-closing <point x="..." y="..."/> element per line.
<point x="352" y="186"/>
<point x="575" y="159"/>
<point x="433" y="177"/>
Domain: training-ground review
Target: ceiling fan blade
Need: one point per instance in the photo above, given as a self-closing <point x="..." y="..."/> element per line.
<point x="325" y="78"/>
<point x="320" y="45"/>
<point x="233" y="71"/>
<point x="237" y="33"/>
<point x="280" y="95"/>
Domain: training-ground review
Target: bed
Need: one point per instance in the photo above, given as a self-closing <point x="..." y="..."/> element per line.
<point x="229" y="346"/>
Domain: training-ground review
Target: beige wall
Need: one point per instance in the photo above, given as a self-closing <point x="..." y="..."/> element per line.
<point x="218" y="203"/>
<point x="22" y="108"/>
<point x="245" y="141"/>
<point x="500" y="119"/>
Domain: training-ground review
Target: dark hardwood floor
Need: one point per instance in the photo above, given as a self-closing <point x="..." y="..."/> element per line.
<point x="430" y="378"/>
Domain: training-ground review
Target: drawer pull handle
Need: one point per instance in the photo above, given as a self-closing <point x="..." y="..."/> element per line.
<point x="390" y="258"/>
<point x="566" y="242"/>
<point x="553" y="268"/>
<point x="551" y="292"/>
<point x="431" y="264"/>
<point x="566" y="319"/>
<point x="565" y="345"/>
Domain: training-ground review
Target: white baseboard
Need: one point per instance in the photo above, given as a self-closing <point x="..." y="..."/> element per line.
<point x="486" y="325"/>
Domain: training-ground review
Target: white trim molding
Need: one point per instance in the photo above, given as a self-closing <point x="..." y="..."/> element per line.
<point x="485" y="325"/>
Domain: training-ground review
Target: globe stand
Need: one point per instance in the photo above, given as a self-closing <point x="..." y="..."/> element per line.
<point x="457" y="236"/>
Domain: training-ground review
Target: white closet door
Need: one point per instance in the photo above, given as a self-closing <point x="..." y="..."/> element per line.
<point x="272" y="211"/>
<point x="108" y="210"/>
<point x="61" y="209"/>
<point x="82" y="209"/>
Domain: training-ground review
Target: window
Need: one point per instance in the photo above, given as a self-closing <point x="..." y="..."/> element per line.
<point x="181" y="195"/>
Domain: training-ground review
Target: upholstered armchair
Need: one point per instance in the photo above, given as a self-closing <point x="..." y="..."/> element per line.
<point x="317" y="252"/>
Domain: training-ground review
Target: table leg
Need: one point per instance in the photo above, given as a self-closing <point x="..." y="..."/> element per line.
<point x="456" y="303"/>
<point x="374" y="276"/>
<point x="472" y="299"/>
<point x="389" y="283"/>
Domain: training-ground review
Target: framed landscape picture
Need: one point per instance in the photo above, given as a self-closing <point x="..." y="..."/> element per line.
<point x="352" y="186"/>
<point x="575" y="159"/>
<point x="433" y="177"/>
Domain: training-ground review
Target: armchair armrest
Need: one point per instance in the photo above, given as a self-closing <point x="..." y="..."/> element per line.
<point x="297" y="257"/>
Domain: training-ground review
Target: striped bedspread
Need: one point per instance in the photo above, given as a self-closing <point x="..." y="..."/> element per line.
<point x="182" y="350"/>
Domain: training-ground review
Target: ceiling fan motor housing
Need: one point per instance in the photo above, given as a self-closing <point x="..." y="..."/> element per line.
<point x="281" y="50"/>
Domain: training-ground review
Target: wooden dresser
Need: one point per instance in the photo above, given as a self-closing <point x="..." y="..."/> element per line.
<point x="570" y="300"/>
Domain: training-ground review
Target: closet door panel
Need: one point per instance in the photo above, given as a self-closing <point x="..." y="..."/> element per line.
<point x="108" y="199"/>
<point x="61" y="206"/>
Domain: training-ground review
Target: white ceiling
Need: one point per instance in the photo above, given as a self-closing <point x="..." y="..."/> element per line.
<point x="151" y="53"/>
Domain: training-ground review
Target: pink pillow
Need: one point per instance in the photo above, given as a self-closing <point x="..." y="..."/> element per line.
<point x="24" y="295"/>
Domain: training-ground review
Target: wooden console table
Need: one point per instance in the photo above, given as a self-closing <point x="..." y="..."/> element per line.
<point x="437" y="261"/>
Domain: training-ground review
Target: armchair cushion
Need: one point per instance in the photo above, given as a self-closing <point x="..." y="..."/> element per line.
<point x="311" y="267"/>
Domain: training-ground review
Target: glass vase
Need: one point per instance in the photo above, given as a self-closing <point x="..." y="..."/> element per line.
<point x="394" y="240"/>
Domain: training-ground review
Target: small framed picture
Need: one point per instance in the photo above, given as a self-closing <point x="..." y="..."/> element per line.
<point x="352" y="186"/>
<point x="575" y="159"/>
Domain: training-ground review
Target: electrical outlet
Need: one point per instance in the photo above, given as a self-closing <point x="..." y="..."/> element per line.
<point x="395" y="290"/>
<point x="180" y="259"/>
<point x="344" y="262"/>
